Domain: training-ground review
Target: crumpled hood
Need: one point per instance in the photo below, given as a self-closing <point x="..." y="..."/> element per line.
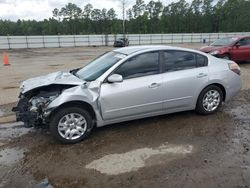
<point x="208" y="49"/>
<point x="64" y="78"/>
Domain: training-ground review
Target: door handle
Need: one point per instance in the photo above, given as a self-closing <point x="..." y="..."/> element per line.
<point x="154" y="85"/>
<point x="201" y="75"/>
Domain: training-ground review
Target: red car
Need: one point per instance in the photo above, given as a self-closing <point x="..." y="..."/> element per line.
<point x="234" y="48"/>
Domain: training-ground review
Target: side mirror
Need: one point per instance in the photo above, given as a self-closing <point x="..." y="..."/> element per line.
<point x="114" y="78"/>
<point x="237" y="45"/>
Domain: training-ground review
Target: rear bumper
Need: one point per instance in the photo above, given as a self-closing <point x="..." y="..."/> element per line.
<point x="234" y="86"/>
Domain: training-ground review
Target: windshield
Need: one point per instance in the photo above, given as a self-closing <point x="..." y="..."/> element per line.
<point x="98" y="66"/>
<point x="224" y="42"/>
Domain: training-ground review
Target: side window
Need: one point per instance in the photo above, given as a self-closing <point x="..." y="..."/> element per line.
<point x="140" y="65"/>
<point x="244" y="42"/>
<point x="248" y="41"/>
<point x="201" y="60"/>
<point x="178" y="60"/>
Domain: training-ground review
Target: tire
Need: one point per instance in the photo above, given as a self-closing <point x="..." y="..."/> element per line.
<point x="73" y="120"/>
<point x="206" y="105"/>
<point x="226" y="56"/>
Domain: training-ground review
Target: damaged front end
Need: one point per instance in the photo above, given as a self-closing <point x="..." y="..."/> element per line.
<point x="32" y="106"/>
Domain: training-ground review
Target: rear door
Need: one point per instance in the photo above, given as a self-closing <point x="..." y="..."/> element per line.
<point x="242" y="52"/>
<point x="185" y="74"/>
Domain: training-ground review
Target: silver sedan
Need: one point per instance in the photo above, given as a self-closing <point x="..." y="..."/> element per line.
<point x="127" y="84"/>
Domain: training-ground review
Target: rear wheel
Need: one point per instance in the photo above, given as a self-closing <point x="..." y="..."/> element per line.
<point x="71" y="125"/>
<point x="209" y="100"/>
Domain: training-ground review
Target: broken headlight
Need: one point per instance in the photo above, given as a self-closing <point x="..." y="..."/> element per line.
<point x="39" y="103"/>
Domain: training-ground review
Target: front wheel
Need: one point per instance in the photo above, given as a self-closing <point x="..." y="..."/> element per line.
<point x="226" y="56"/>
<point x="209" y="100"/>
<point x="71" y="125"/>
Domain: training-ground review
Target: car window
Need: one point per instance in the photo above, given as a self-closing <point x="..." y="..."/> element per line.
<point x="178" y="60"/>
<point x="98" y="66"/>
<point x="244" y="42"/>
<point x="201" y="60"/>
<point x="224" y="41"/>
<point x="140" y="65"/>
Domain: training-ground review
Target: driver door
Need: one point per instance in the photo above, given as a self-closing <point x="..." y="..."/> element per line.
<point x="241" y="52"/>
<point x="140" y="92"/>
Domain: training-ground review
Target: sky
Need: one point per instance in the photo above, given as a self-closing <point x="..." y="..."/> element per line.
<point x="41" y="9"/>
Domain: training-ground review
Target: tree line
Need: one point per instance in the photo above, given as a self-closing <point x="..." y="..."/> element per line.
<point x="199" y="16"/>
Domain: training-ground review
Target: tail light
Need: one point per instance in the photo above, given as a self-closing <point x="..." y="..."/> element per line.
<point x="234" y="67"/>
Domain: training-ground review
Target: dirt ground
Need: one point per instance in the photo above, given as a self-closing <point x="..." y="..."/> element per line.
<point x="177" y="150"/>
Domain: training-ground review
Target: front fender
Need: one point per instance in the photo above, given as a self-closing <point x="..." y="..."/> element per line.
<point x="88" y="95"/>
<point x="77" y="93"/>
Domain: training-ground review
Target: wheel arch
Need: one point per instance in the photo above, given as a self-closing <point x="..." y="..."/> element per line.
<point x="226" y="54"/>
<point x="220" y="86"/>
<point x="76" y="103"/>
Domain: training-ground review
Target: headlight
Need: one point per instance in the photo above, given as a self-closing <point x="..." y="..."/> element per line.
<point x="40" y="102"/>
<point x="214" y="52"/>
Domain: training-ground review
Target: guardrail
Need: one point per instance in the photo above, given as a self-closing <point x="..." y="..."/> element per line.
<point x="48" y="41"/>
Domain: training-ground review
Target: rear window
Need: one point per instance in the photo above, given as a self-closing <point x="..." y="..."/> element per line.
<point x="201" y="60"/>
<point x="182" y="60"/>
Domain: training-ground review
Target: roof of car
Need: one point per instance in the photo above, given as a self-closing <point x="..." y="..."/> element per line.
<point x="238" y="37"/>
<point x="133" y="49"/>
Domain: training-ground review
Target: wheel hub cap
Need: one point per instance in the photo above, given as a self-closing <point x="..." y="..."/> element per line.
<point x="211" y="100"/>
<point x="72" y="126"/>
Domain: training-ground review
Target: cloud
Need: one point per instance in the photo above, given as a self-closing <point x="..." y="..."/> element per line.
<point x="41" y="9"/>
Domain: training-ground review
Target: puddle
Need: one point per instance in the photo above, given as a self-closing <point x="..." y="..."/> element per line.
<point x="13" y="130"/>
<point x="115" y="164"/>
<point x="43" y="184"/>
<point x="10" y="156"/>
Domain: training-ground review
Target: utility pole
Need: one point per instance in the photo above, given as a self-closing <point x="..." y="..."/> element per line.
<point x="123" y="17"/>
<point x="123" y="5"/>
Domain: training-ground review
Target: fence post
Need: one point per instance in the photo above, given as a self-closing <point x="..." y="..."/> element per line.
<point x="191" y="37"/>
<point x="8" y="41"/>
<point x="139" y="39"/>
<point x="161" y="38"/>
<point x="88" y="41"/>
<point x="74" y="40"/>
<point x="58" y="36"/>
<point x="172" y="38"/>
<point x="27" y="44"/>
<point x="150" y="38"/>
<point x="182" y="38"/>
<point x="106" y="39"/>
<point x="43" y="42"/>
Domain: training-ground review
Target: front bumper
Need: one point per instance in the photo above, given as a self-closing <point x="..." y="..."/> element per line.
<point x="28" y="117"/>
